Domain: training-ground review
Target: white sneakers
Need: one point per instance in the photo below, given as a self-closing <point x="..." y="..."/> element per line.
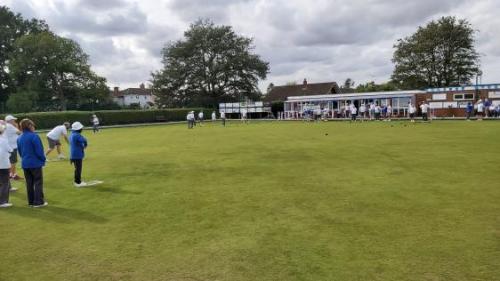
<point x="13" y="189"/>
<point x="41" y="206"/>
<point x="61" y="157"/>
<point x="82" y="184"/>
<point x="6" y="205"/>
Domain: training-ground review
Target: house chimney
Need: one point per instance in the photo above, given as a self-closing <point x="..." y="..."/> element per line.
<point x="142" y="86"/>
<point x="305" y="82"/>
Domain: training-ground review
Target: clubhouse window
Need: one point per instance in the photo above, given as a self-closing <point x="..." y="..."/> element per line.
<point x="463" y="97"/>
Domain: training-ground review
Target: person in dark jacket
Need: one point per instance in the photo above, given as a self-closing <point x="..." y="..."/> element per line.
<point x="77" y="143"/>
<point x="30" y="149"/>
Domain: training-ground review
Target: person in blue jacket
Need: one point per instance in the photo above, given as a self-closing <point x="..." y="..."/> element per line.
<point x="469" y="110"/>
<point x="77" y="143"/>
<point x="32" y="154"/>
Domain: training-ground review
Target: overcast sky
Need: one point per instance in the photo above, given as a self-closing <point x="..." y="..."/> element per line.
<point x="322" y="40"/>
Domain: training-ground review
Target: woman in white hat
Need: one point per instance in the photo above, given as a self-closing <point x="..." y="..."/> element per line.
<point x="77" y="143"/>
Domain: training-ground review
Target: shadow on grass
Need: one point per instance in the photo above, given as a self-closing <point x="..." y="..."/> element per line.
<point x="57" y="214"/>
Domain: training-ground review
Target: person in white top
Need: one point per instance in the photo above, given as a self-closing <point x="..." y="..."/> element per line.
<point x="362" y="111"/>
<point x="214" y="116"/>
<point x="425" y="110"/>
<point x="372" y="110"/>
<point x="201" y="116"/>
<point x="11" y="133"/>
<point x="54" y="139"/>
<point x="191" y="119"/>
<point x="223" y="118"/>
<point x="480" y="109"/>
<point x="411" y="110"/>
<point x="5" y="187"/>
<point x="378" y="111"/>
<point x="95" y="123"/>
<point x="354" y="112"/>
<point x="244" y="115"/>
<point x="389" y="112"/>
<point x="347" y="109"/>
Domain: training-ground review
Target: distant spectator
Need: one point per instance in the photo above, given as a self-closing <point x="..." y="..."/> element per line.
<point x="33" y="159"/>
<point x="201" y="117"/>
<point x="190" y="119"/>
<point x="214" y="116"/>
<point x="362" y="111"/>
<point x="378" y="111"/>
<point x="487" y="105"/>
<point x="354" y="113"/>
<point x="95" y="123"/>
<point x="411" y="111"/>
<point x="223" y="118"/>
<point x="480" y="109"/>
<point x="425" y="111"/>
<point x="389" y="112"/>
<point x="468" y="110"/>
<point x="372" y="110"/>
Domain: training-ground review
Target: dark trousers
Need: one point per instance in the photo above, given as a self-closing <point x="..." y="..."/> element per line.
<point x="95" y="128"/>
<point x="34" y="186"/>
<point x="425" y="116"/>
<point x="223" y="121"/>
<point x="4" y="186"/>
<point x="78" y="163"/>
<point x="190" y="124"/>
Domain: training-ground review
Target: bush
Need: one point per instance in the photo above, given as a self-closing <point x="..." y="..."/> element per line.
<point x="48" y="120"/>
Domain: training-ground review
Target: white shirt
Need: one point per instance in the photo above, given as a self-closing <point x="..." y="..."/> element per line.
<point x="424" y="108"/>
<point x="11" y="135"/>
<point x="377" y="109"/>
<point x="372" y="107"/>
<point x="362" y="108"/>
<point x="57" y="133"/>
<point x="95" y="120"/>
<point x="389" y="108"/>
<point x="190" y="117"/>
<point x="5" y="150"/>
<point x="214" y="116"/>
<point x="480" y="107"/>
<point x="200" y="115"/>
<point x="411" y="109"/>
<point x="354" y="110"/>
<point x="223" y="115"/>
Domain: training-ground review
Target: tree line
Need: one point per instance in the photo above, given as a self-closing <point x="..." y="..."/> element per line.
<point x="41" y="71"/>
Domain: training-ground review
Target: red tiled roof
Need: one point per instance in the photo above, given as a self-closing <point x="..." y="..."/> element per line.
<point x="281" y="93"/>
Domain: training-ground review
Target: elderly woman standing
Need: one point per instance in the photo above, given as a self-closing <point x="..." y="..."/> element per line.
<point x="5" y="151"/>
<point x="30" y="149"/>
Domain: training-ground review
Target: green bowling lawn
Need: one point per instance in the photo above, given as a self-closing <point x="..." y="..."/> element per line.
<point x="267" y="201"/>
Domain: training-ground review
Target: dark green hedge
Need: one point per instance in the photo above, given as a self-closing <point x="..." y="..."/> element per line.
<point x="48" y="120"/>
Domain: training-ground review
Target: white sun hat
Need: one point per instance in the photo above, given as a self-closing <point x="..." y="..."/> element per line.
<point x="76" y="126"/>
<point x="10" y="118"/>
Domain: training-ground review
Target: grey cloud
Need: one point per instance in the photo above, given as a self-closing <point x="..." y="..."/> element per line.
<point x="101" y="4"/>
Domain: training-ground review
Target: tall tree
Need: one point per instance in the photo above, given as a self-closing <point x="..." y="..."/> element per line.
<point x="12" y="27"/>
<point x="440" y="54"/>
<point x="211" y="64"/>
<point x="374" y="87"/>
<point x="54" y="67"/>
<point x="348" y="84"/>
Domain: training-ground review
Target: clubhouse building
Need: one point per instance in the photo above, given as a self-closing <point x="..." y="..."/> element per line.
<point x="444" y="102"/>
